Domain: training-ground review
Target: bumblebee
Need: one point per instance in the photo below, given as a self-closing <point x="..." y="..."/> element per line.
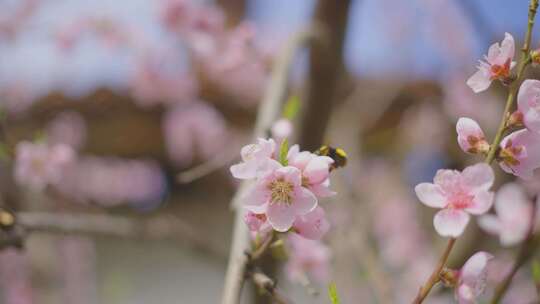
<point x="337" y="154"/>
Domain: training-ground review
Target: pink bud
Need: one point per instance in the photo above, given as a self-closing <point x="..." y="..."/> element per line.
<point x="471" y="138"/>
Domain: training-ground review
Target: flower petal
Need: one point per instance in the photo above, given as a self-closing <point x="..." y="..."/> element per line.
<point x="490" y="223"/>
<point x="431" y="195"/>
<point x="280" y="216"/>
<point x="475" y="267"/>
<point x="479" y="81"/>
<point x="479" y="176"/>
<point x="450" y="223"/>
<point x="481" y="203"/>
<point x="304" y="201"/>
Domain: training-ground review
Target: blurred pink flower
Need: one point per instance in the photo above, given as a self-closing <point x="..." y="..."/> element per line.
<point x="307" y="257"/>
<point x="520" y="153"/>
<point x="312" y="225"/>
<point x="196" y="131"/>
<point x="497" y="65"/>
<point x="15" y="278"/>
<point x="512" y="221"/>
<point x="69" y="128"/>
<point x="472" y="278"/>
<point x="38" y="164"/>
<point x="281" y="129"/>
<point x="111" y="181"/>
<point x="255" y="158"/>
<point x="458" y="194"/>
<point x="280" y="196"/>
<point x="471" y="138"/>
<point x="161" y="79"/>
<point x="529" y="104"/>
<point x="315" y="170"/>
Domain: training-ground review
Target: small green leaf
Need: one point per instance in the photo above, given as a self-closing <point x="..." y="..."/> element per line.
<point x="332" y="293"/>
<point x="283" y="152"/>
<point x="291" y="107"/>
<point x="536" y="271"/>
<point x="4" y="154"/>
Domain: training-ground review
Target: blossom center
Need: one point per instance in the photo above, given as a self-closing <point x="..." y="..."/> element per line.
<point x="500" y="71"/>
<point x="281" y="191"/>
<point x="461" y="201"/>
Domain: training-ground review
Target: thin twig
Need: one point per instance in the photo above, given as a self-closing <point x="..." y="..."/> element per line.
<point x="434" y="277"/>
<point x="217" y="162"/>
<point x="268" y="113"/>
<point x="525" y="60"/>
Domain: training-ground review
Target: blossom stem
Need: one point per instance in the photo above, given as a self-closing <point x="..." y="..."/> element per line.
<point x="525" y="253"/>
<point x="524" y="62"/>
<point x="267" y="114"/>
<point x="435" y="275"/>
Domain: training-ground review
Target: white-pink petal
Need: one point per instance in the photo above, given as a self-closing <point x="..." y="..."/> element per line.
<point x="304" y="201"/>
<point x="450" y="222"/>
<point x="280" y="216"/>
<point x="479" y="81"/>
<point x="479" y="176"/>
<point x="431" y="195"/>
<point x="481" y="203"/>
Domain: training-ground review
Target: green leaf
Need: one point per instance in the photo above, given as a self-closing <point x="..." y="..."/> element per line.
<point x="536" y="271"/>
<point x="332" y="293"/>
<point x="4" y="154"/>
<point x="283" y="152"/>
<point x="291" y="107"/>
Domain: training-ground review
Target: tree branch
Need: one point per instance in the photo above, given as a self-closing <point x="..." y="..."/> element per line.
<point x="157" y="228"/>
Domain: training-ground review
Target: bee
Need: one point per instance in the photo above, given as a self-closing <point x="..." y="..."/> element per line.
<point x="337" y="154"/>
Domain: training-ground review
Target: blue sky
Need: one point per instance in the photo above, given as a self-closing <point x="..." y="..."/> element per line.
<point x="386" y="38"/>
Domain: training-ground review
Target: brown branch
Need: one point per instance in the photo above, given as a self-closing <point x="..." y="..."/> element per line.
<point x="267" y="114"/>
<point x="157" y="228"/>
<point x="325" y="71"/>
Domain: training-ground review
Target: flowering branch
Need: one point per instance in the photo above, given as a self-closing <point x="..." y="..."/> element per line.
<point x="524" y="62"/>
<point x="435" y="277"/>
<point x="268" y="112"/>
<point x="526" y="251"/>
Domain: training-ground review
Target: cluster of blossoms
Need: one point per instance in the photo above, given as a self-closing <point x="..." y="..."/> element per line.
<point x="284" y="198"/>
<point x="466" y="193"/>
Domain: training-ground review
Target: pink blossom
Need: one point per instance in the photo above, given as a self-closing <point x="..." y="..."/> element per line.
<point x="512" y="221"/>
<point x="68" y="127"/>
<point x="520" y="153"/>
<point x="281" y="129"/>
<point x="315" y="170"/>
<point x="472" y="278"/>
<point x="38" y="164"/>
<point x="458" y="194"/>
<point x="312" y="225"/>
<point x="497" y="65"/>
<point x="255" y="158"/>
<point x="471" y="138"/>
<point x="279" y="195"/>
<point x="307" y="257"/>
<point x="529" y="104"/>
<point x="255" y="222"/>
<point x="195" y="131"/>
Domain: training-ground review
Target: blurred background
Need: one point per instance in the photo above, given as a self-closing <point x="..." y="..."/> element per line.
<point x="155" y="98"/>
